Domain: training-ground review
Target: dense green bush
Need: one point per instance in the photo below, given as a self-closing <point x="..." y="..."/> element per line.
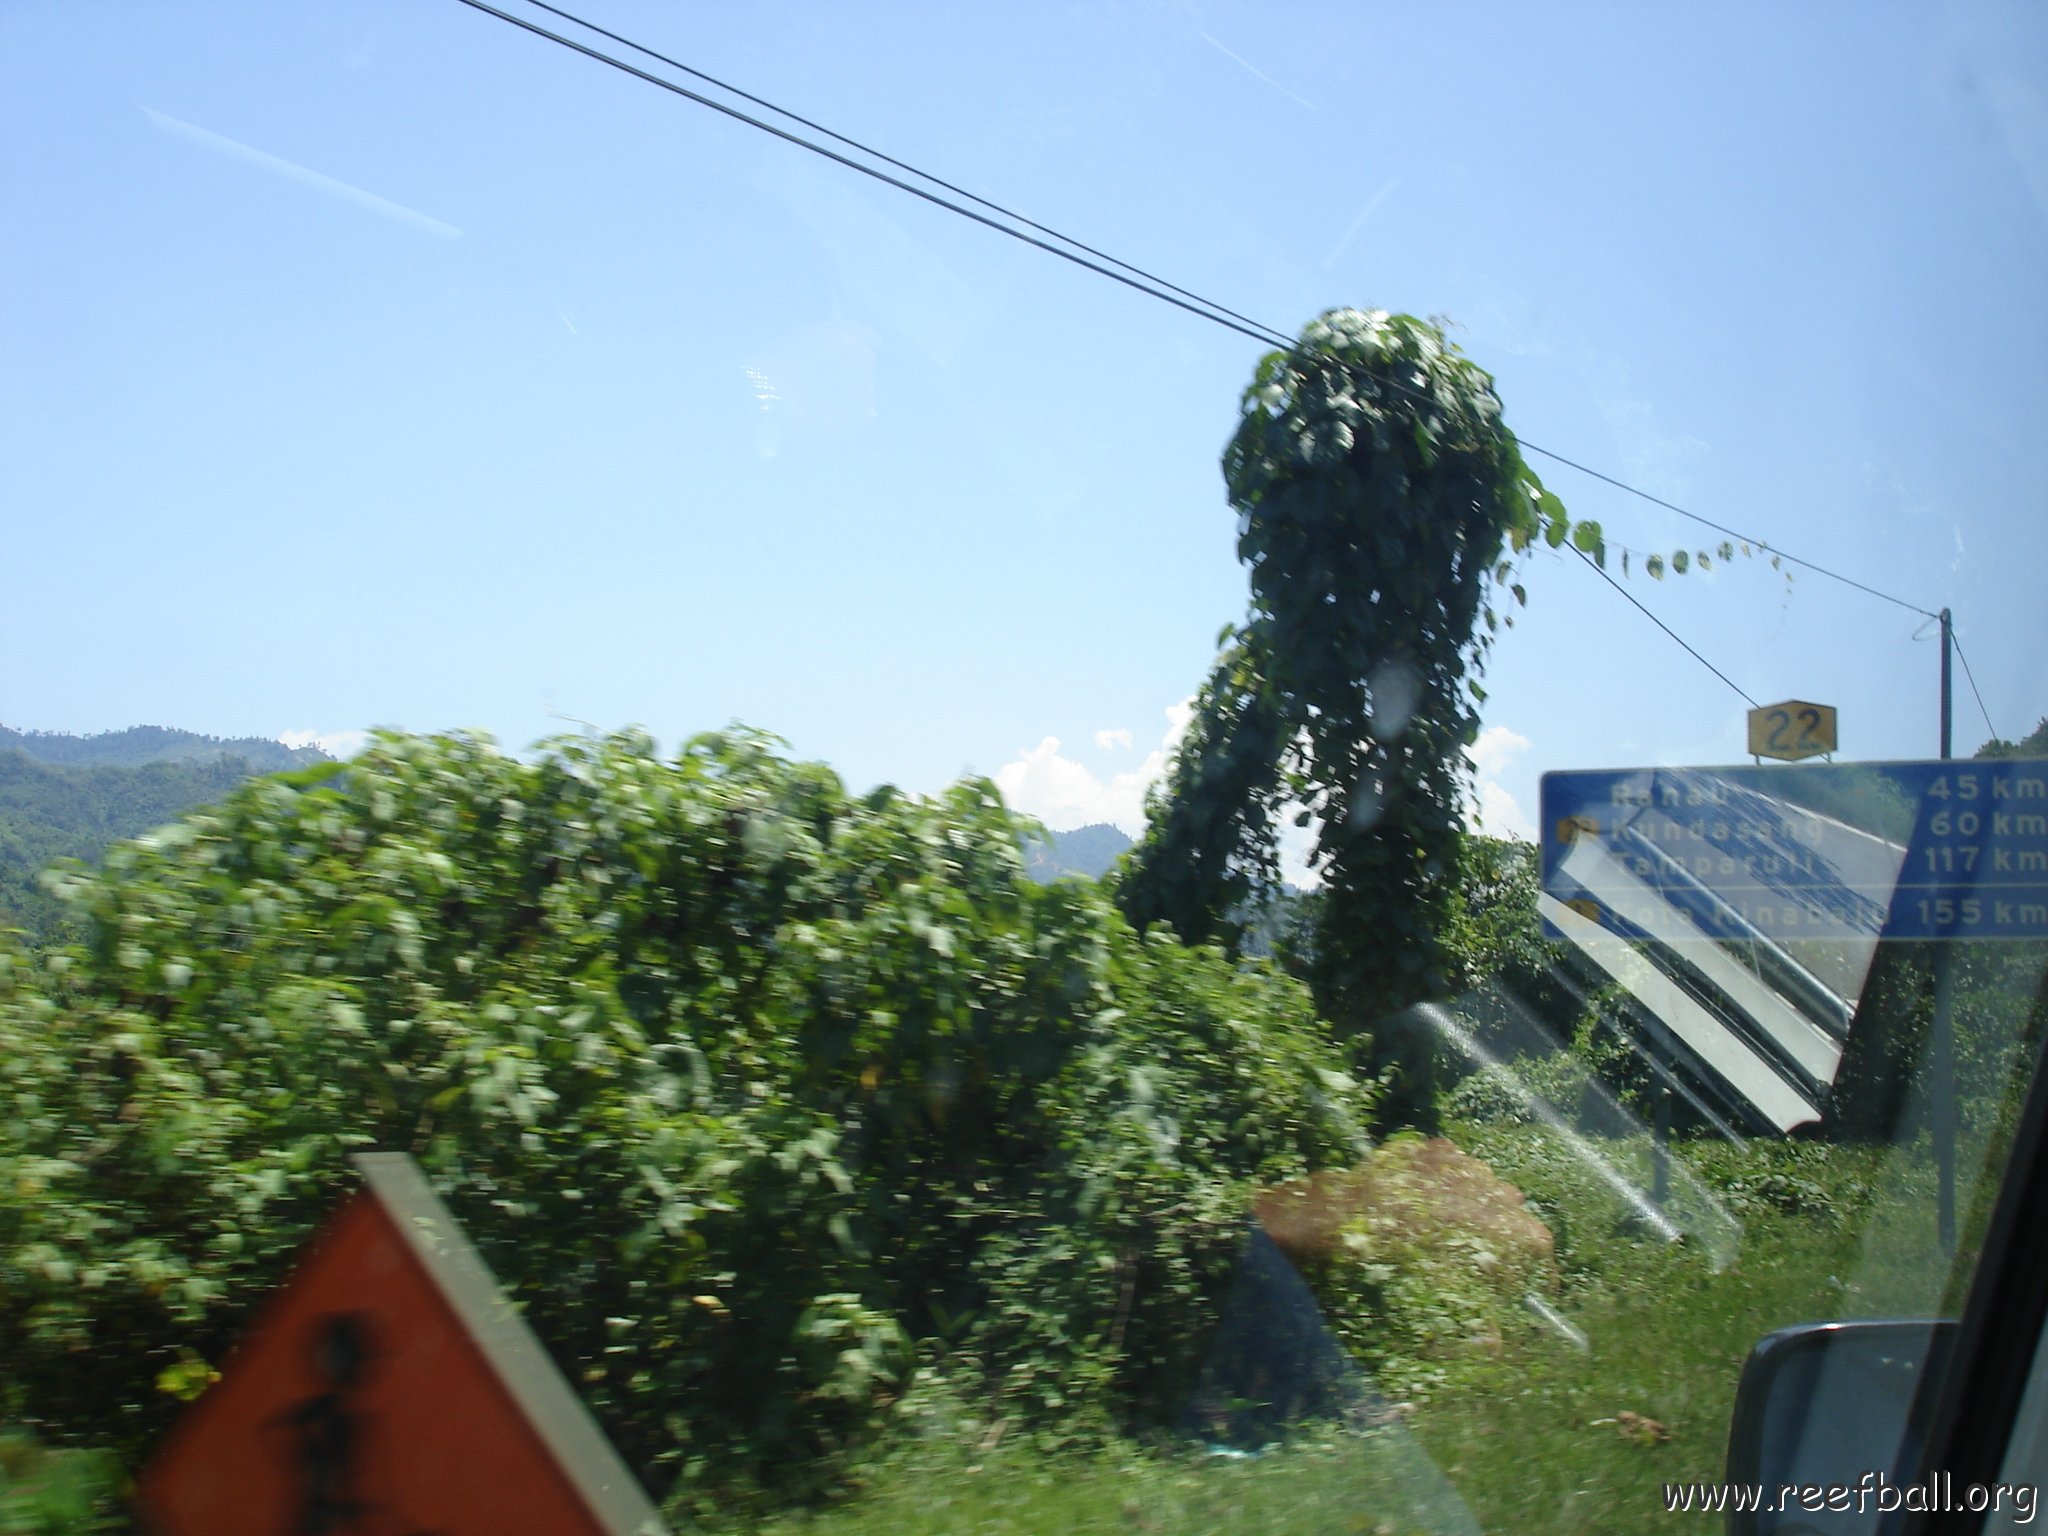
<point x="753" y="1092"/>
<point x="1519" y="1093"/>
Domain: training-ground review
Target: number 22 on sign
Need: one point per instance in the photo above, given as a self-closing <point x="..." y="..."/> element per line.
<point x="1792" y="730"/>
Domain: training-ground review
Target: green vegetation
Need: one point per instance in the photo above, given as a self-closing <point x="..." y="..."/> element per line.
<point x="70" y="797"/>
<point x="857" y="1181"/>
<point x="48" y="814"/>
<point x="1515" y="1429"/>
<point x="1532" y="1431"/>
<point x="2033" y="744"/>
<point x="1375" y="1483"/>
<point x="1381" y="503"/>
<point x="56" y="1493"/>
<point x="760" y="1097"/>
<point x="142" y="744"/>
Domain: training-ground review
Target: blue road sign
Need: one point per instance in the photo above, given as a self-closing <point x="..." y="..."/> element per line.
<point x="1741" y="908"/>
<point x="1820" y="853"/>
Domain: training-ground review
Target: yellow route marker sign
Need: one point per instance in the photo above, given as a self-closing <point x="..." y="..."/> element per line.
<point x="1792" y="730"/>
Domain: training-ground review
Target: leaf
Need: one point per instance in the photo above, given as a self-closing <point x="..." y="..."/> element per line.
<point x="1554" y="534"/>
<point x="1425" y="445"/>
<point x="1586" y="537"/>
<point x="1680" y="560"/>
<point x="1655" y="566"/>
<point x="1624" y="562"/>
<point x="1521" y="596"/>
<point x="1706" y="561"/>
<point x="1727" y="550"/>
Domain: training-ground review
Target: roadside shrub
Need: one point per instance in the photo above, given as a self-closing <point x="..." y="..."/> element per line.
<point x="751" y="1091"/>
<point x="1510" y="1093"/>
<point x="1793" y="1178"/>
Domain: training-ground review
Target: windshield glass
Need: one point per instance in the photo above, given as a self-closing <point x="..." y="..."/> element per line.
<point x="1276" y="872"/>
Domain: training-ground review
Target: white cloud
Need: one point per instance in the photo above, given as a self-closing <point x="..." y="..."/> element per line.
<point x="1496" y="747"/>
<point x="342" y="744"/>
<point x="1501" y="815"/>
<point x="1064" y="793"/>
<point x="1498" y="813"/>
<point x="292" y="171"/>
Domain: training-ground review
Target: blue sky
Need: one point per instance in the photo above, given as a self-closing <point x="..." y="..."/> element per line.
<point x="382" y="365"/>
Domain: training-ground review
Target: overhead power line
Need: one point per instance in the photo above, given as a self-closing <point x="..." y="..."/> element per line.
<point x="1081" y="255"/>
<point x="1696" y="656"/>
<point x="1957" y="641"/>
<point x="887" y="159"/>
<point x="1215" y="316"/>
<point x="1746" y="538"/>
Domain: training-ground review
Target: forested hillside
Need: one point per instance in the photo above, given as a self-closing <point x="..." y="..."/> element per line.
<point x="1089" y="850"/>
<point x="69" y="797"/>
<point x="141" y="744"/>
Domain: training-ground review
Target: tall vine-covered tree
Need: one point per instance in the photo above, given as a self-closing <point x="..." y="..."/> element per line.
<point x="1381" y="502"/>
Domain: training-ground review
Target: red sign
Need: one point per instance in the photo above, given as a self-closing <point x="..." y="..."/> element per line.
<point x="390" y="1390"/>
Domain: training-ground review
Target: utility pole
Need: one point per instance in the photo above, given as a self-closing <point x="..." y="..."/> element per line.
<point x="1941" y="1046"/>
<point x="1948" y="645"/>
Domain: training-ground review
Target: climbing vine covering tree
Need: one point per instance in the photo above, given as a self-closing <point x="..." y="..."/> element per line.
<point x="1380" y="503"/>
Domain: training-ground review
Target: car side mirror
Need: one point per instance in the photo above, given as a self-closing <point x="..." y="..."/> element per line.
<point x="1825" y="1424"/>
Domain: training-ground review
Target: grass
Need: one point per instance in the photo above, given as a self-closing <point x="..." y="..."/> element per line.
<point x="1535" y="1434"/>
<point x="1548" y="1436"/>
<point x="1377" y="1484"/>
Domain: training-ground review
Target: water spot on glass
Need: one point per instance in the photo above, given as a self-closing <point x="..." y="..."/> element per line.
<point x="1392" y="692"/>
<point x="1367" y="803"/>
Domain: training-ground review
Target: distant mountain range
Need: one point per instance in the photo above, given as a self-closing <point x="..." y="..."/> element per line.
<point x="141" y="744"/>
<point x="70" y="797"/>
<point x="1089" y="851"/>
